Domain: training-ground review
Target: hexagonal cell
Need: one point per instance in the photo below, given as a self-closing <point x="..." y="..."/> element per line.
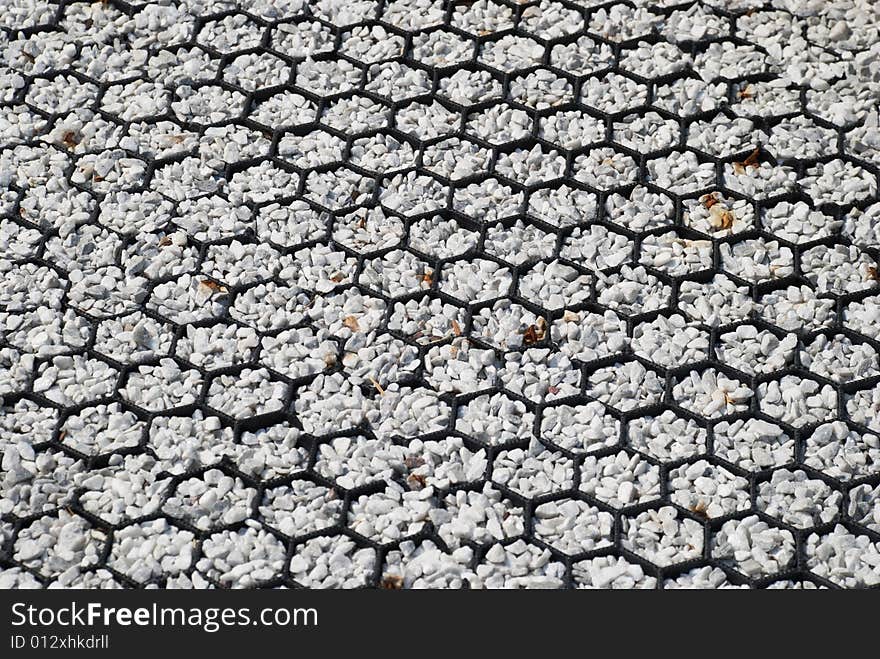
<point x="408" y="412"/>
<point x="426" y="120"/>
<point x="130" y="487"/>
<point x="842" y="452"/>
<point x="597" y="248"/>
<point x="540" y="375"/>
<point x="632" y="291"/>
<point x="261" y="183"/>
<point x="151" y="550"/>
<point x="478" y="516"/>
<point x="312" y="149"/>
<point x="645" y="132"/>
<point x="54" y="544"/>
<point x="495" y="419"/>
<point x="74" y="379"/>
<point x="285" y="110"/>
<point x="753" y="444"/>
<point x="487" y="201"/>
<point x="755" y="351"/>
<point x="562" y="205"/>
<point x="572" y="526"/>
<point x="26" y="419"/>
<point x="442" y="464"/>
<point x="798" y="500"/>
<point x="357" y="461"/>
<point x="499" y="124"/>
<point x="840" y="359"/>
<point x="511" y="53"/>
<point x="587" y="336"/>
<point x="164" y="386"/>
<point x="688" y="96"/>
<point x="249" y="393"/>
<point x="421" y="565"/>
<point x="329" y="403"/>
<point x="208" y="104"/>
<point x="718" y="214"/>
<point x="797" y="401"/>
<point x="187" y="299"/>
<point x="185" y="443"/>
<point x="579" y="429"/>
<point x="717" y="302"/>
<point x="519" y="243"/>
<point x="582" y="57"/>
<point x="798" y="223"/>
<point x="722" y="137"/>
<point x="37" y="483"/>
<point x="675" y="254"/>
<point x="708" y="490"/>
<point x="211" y="500"/>
<point x="107" y="292"/>
<point x="256" y="71"/>
<point x="136" y="100"/>
<point x="839" y="269"/>
<point x="412" y="194"/>
<point x="246" y="558"/>
<point x="555" y="284"/>
<point x="230" y="33"/>
<point x="531" y="166"/>
<point x="442" y="48"/>
<point x="133" y="338"/>
<point x="333" y="562"/>
<point x="757" y="260"/>
<point x="610" y="573"/>
<point x="45" y="332"/>
<point x="533" y="471"/>
<point x="300" y="508"/>
<point x="382" y="359"/>
<point x="839" y="182"/>
<point x="662" y="536"/>
<point x="469" y="88"/>
<point x="397" y="82"/>
<point x="102" y="429"/>
<point x="794" y="308"/>
<point x="390" y="514"/>
<point x="681" y="172"/>
<point x="613" y="93"/>
<point x="605" y="169"/>
<point x="847" y="559"/>
<point x="299" y="353"/>
<point x="519" y="565"/>
<point x="864" y="506"/>
<point x="540" y="90"/>
<point x="626" y="386"/>
<point x="670" y="341"/>
<point x="474" y="281"/>
<point x="271" y="452"/>
<point x="620" y="480"/>
<point x="666" y="437"/>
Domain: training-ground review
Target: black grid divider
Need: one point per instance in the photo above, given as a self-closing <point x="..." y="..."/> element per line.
<point x="434" y="269"/>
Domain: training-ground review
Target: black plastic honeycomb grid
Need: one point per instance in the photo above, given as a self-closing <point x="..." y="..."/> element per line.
<point x="798" y="570"/>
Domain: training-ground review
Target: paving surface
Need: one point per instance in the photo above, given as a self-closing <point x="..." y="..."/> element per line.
<point x="414" y="293"/>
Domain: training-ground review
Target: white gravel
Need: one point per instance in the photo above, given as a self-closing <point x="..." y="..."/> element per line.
<point x="539" y="296"/>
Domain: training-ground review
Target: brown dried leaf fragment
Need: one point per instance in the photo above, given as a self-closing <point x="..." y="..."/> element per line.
<point x="378" y="386"/>
<point x="391" y="582"/>
<point x="700" y="509"/>
<point x="212" y="286"/>
<point x="351" y="323"/>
